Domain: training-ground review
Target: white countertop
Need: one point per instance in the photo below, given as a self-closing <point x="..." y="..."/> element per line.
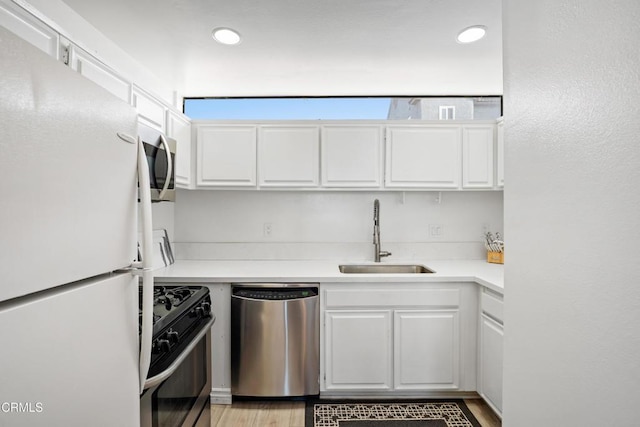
<point x="479" y="271"/>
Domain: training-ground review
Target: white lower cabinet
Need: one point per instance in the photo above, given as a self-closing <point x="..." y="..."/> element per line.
<point x="491" y="340"/>
<point x="491" y="343"/>
<point x="398" y="339"/>
<point x="426" y="349"/>
<point x="358" y="350"/>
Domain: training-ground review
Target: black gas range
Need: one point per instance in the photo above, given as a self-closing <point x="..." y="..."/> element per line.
<point x="179" y="314"/>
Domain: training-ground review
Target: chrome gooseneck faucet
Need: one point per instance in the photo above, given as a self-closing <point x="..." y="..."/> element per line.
<point x="376" y="232"/>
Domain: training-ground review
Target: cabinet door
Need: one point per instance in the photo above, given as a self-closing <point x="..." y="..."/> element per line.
<point x="477" y="156"/>
<point x="500" y="149"/>
<point x="423" y="156"/>
<point x="358" y="350"/>
<point x="351" y="156"/>
<point x="288" y="156"/>
<point x="97" y="72"/>
<point x="179" y="128"/>
<point x="427" y="349"/>
<point x="226" y="156"/>
<point x="150" y="110"/>
<point x="29" y="28"/>
<point x="490" y="381"/>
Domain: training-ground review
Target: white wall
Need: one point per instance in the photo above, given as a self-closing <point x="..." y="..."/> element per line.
<point x="572" y="213"/>
<point x="332" y="225"/>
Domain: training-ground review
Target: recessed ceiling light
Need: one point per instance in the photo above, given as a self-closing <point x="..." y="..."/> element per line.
<point x="471" y="34"/>
<point x="226" y="36"/>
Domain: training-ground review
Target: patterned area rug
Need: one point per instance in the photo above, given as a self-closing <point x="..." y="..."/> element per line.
<point x="405" y="413"/>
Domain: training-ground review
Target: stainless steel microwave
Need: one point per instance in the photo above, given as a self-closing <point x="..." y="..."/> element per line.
<point x="161" y="157"/>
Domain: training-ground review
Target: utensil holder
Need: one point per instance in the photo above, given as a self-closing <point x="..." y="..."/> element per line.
<point x="495" y="257"/>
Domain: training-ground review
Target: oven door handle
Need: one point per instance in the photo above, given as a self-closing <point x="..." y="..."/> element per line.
<point x="167" y="181"/>
<point x="157" y="379"/>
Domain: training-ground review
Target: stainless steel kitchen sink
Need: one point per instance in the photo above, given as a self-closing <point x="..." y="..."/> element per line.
<point x="383" y="269"/>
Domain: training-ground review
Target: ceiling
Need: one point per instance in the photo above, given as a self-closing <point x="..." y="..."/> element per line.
<point x="305" y="47"/>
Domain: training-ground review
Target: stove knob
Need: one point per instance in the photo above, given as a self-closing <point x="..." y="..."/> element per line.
<point x="200" y="311"/>
<point x="162" y="346"/>
<point x="206" y="307"/>
<point x="173" y="336"/>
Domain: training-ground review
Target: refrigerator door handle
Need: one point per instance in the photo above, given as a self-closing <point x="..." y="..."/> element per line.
<point x="167" y="181"/>
<point x="147" y="259"/>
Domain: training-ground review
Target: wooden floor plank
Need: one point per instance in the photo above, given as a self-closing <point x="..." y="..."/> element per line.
<point x="297" y="414"/>
<point x="483" y="413"/>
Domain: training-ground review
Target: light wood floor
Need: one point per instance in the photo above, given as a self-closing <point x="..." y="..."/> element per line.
<point x="291" y="414"/>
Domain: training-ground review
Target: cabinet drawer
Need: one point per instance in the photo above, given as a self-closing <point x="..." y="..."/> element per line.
<point x="491" y="303"/>
<point x="395" y="298"/>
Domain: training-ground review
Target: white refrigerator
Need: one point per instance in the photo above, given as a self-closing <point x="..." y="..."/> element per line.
<point x="69" y="341"/>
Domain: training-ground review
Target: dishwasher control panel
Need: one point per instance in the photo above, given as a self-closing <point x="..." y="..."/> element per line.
<point x="275" y="293"/>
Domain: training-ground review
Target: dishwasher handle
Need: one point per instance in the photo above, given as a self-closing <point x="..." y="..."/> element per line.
<point x="274" y="294"/>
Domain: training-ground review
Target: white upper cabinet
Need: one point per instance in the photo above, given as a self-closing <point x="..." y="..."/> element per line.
<point x="288" y="156"/>
<point x="351" y="156"/>
<point x="477" y="156"/>
<point x="500" y="156"/>
<point x="151" y="111"/>
<point x="355" y="155"/>
<point x="96" y="71"/>
<point x="29" y="28"/>
<point x="424" y="156"/>
<point x="226" y="156"/>
<point x="179" y="128"/>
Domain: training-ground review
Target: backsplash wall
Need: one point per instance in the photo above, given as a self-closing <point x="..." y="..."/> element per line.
<point x="332" y="225"/>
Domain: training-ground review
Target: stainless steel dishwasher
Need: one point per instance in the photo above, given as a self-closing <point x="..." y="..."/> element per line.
<point x="275" y="339"/>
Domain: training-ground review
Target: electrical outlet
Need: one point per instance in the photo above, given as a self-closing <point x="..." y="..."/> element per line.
<point x="267" y="229"/>
<point x="435" y="231"/>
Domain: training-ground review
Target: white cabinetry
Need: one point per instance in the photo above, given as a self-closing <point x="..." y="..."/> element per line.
<point x="500" y="150"/>
<point x="97" y="72"/>
<point x="491" y="349"/>
<point x="151" y="111"/>
<point x="358" y="350"/>
<point x="425" y="156"/>
<point x="226" y="156"/>
<point x="477" y="156"/>
<point x="29" y="28"/>
<point x="288" y="156"/>
<point x="179" y="128"/>
<point x="418" y="363"/>
<point x="351" y="156"/>
<point x="335" y="155"/>
<point x="397" y="339"/>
